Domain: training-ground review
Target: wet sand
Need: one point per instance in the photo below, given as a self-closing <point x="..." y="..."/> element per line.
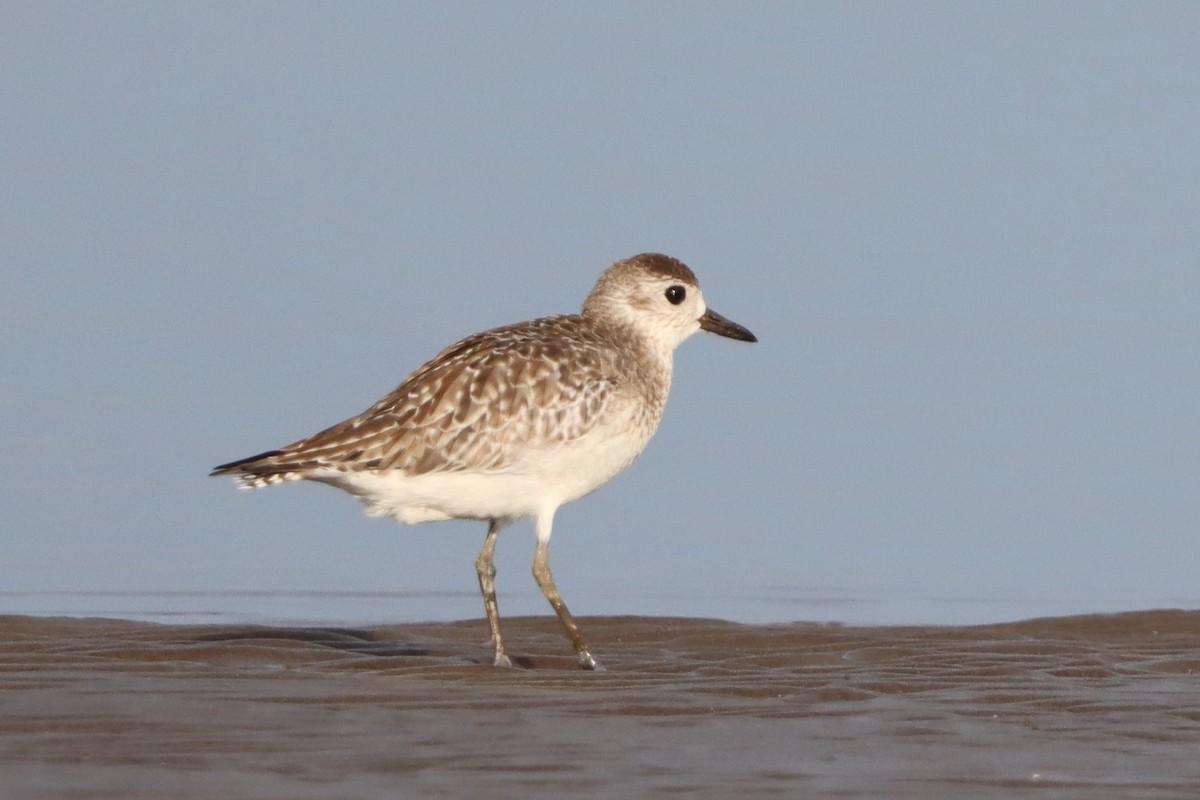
<point x="1078" y="707"/>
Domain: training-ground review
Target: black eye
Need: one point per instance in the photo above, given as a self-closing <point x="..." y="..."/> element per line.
<point x="675" y="294"/>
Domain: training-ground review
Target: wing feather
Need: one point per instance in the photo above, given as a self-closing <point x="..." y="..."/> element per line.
<point x="477" y="405"/>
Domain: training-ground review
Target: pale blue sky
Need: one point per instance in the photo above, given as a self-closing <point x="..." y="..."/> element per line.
<point x="966" y="235"/>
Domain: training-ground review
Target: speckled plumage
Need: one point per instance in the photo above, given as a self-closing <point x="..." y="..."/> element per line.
<point x="514" y="421"/>
<point x="483" y="404"/>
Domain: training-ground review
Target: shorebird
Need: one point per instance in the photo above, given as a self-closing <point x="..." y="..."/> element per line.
<point x="516" y="421"/>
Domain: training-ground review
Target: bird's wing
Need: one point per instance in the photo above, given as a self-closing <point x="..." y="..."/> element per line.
<point x="475" y="406"/>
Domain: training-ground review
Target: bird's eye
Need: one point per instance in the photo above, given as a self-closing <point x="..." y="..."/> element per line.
<point x="675" y="294"/>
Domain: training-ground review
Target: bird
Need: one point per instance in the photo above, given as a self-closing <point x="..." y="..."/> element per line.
<point x="514" y="422"/>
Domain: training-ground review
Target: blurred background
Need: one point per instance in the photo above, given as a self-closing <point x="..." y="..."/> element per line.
<point x="965" y="234"/>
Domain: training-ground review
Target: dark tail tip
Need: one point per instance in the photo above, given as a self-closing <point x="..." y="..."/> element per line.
<point x="236" y="466"/>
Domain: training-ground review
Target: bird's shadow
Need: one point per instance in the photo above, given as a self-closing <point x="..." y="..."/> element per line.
<point x="352" y="640"/>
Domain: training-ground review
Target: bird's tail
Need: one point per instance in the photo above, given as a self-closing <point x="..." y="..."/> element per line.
<point x="264" y="469"/>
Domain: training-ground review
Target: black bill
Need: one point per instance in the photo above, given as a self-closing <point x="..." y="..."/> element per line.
<point x="715" y="323"/>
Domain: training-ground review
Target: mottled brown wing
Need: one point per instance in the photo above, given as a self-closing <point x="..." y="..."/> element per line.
<point x="473" y="407"/>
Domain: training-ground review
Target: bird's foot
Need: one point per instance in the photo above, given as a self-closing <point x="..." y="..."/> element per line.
<point x="587" y="662"/>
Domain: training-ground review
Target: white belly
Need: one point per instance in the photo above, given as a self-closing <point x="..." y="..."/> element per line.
<point x="542" y="481"/>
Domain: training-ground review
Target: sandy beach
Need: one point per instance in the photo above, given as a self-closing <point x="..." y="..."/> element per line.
<point x="1087" y="707"/>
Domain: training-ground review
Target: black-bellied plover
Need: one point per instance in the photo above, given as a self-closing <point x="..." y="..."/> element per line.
<point x="516" y="421"/>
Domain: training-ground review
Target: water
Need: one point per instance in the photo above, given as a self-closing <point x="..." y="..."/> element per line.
<point x="778" y="604"/>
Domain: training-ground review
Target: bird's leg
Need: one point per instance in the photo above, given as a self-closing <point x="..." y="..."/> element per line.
<point x="545" y="580"/>
<point x="486" y="568"/>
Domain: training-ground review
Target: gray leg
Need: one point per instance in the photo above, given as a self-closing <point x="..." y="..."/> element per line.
<point x="486" y="569"/>
<point x="545" y="580"/>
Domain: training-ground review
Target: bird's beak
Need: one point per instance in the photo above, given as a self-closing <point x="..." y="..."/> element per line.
<point x="715" y="323"/>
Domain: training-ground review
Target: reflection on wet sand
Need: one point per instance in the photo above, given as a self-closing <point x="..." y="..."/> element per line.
<point x="1099" y="706"/>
